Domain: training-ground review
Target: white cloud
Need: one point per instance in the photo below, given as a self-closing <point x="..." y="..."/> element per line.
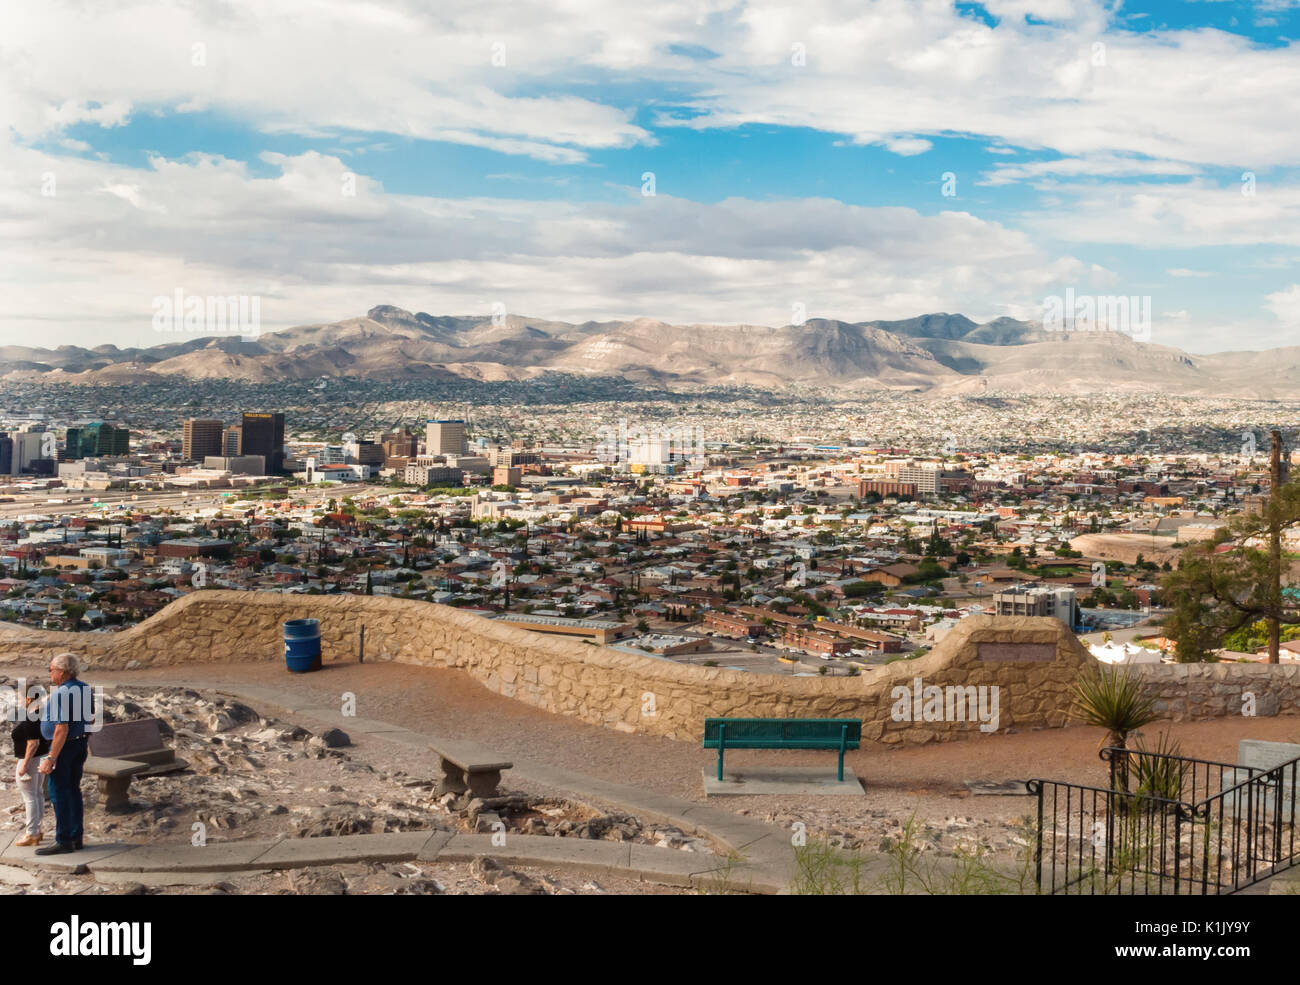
<point x="1188" y="214"/>
<point x="207" y="225"/>
<point x="1096" y="166"/>
<point x="900" y="68"/>
<point x="318" y="67"/>
<point x="1285" y="304"/>
<point x="907" y="146"/>
<point x="487" y="73"/>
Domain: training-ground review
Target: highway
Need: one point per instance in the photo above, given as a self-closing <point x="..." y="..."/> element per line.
<point x="114" y="500"/>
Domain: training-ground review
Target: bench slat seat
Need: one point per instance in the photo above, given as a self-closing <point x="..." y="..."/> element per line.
<point x="782" y="733"/>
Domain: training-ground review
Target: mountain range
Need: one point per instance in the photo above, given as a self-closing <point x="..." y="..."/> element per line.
<point x="939" y="353"/>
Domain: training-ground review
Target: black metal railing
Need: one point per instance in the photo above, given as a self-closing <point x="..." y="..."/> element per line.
<point x="1166" y="825"/>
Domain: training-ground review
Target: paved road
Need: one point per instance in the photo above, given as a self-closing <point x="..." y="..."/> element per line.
<point x="115" y="500"/>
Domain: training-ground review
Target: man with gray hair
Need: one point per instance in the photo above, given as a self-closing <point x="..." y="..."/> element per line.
<point x="69" y="709"/>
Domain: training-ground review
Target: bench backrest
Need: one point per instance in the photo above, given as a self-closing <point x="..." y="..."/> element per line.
<point x="121" y="740"/>
<point x="783" y="733"/>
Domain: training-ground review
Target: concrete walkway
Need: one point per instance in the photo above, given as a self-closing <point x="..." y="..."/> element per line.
<point x="187" y="865"/>
<point x="755" y="857"/>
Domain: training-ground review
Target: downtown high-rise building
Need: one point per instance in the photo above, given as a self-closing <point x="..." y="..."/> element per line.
<point x="200" y="438"/>
<point x="97" y="440"/>
<point x="445" y="438"/>
<point x="263" y="434"/>
<point x="232" y="442"/>
<point x="401" y="444"/>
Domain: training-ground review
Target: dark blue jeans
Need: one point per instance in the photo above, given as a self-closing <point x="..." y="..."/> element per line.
<point x="65" y="791"/>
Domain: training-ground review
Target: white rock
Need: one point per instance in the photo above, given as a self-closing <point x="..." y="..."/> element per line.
<point x="219" y="721"/>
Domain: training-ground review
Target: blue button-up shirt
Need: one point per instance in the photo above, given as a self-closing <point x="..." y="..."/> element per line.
<point x="72" y="703"/>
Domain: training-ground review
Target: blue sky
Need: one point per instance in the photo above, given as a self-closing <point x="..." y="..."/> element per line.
<point x="861" y="159"/>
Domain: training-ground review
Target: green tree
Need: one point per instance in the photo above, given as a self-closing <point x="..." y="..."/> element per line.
<point x="1214" y="592"/>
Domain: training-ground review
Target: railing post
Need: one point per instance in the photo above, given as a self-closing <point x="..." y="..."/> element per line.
<point x="1178" y="846"/>
<point x="1277" y="817"/>
<point x="1036" y="786"/>
<point x="1250" y="830"/>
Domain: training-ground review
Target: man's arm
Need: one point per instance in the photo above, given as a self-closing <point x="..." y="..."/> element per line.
<point x="56" y="746"/>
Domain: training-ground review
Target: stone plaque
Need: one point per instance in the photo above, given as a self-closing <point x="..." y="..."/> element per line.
<point x="1017" y="652"/>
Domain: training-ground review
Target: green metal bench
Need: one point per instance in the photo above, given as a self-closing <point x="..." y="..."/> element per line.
<point x="782" y="733"/>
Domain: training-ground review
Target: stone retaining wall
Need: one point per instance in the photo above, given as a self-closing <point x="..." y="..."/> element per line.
<point x="1033" y="662"/>
<point x="1186" y="692"/>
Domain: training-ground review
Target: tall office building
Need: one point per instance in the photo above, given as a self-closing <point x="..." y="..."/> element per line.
<point x="926" y="478"/>
<point x="365" y="453"/>
<point x="263" y="434"/>
<point x="30" y="453"/>
<point x="445" y="438"/>
<point x="201" y="438"/>
<point x="401" y="444"/>
<point x="232" y="442"/>
<point x="6" y="454"/>
<point x="507" y="458"/>
<point x="97" y="440"/>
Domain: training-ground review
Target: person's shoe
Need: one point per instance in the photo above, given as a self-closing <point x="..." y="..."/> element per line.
<point x="58" y="848"/>
<point x="78" y="845"/>
<point x="26" y="841"/>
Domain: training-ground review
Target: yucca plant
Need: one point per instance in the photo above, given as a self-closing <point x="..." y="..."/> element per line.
<point x="1159" y="773"/>
<point x="1113" y="700"/>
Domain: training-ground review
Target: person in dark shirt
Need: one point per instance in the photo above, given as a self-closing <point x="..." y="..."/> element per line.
<point x="28" y="745"/>
<point x="68" y="710"/>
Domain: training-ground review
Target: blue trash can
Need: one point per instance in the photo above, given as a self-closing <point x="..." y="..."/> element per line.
<point x="302" y="645"/>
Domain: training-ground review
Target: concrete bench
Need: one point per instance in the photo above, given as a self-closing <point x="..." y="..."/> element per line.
<point x="123" y="750"/>
<point x="114" y="780"/>
<point x="468" y="768"/>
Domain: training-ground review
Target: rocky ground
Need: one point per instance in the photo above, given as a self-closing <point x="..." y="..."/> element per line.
<point x="997" y="840"/>
<point x="249" y="777"/>
<point x="875" y="830"/>
<point x="482" y="877"/>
